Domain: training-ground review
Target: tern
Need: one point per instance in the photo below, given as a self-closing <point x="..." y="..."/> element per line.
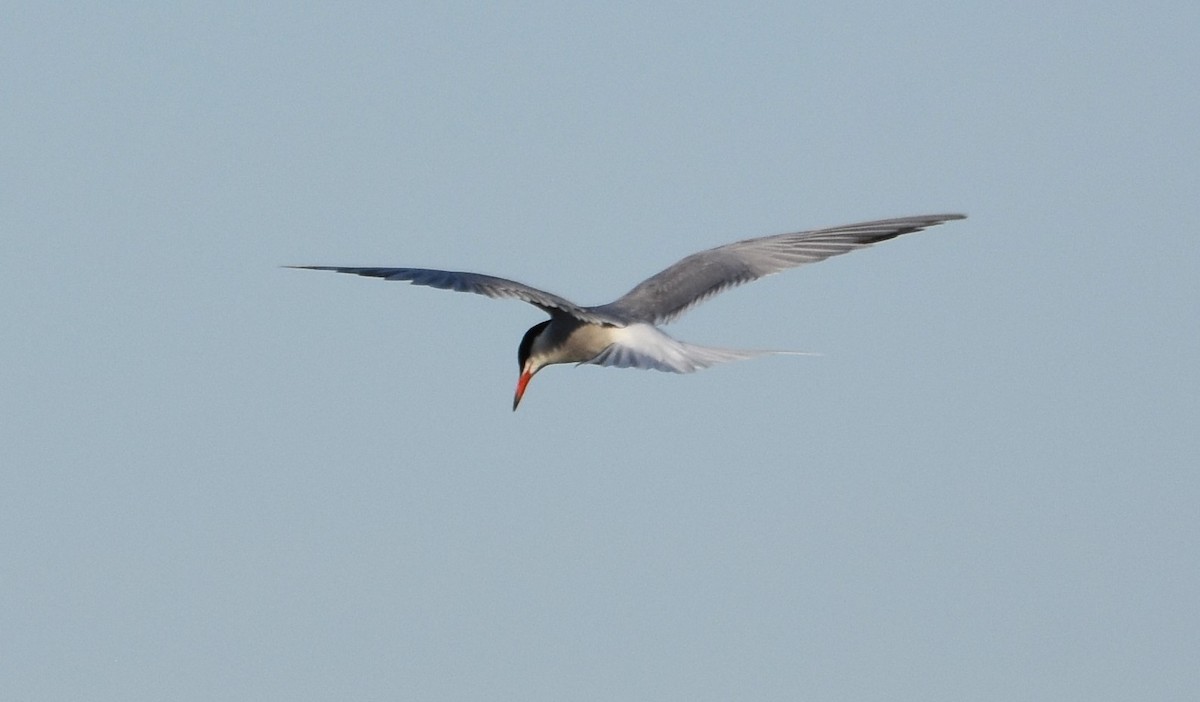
<point x="624" y="333"/>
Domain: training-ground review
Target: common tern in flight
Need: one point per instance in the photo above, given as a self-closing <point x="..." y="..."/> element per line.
<point x="624" y="333"/>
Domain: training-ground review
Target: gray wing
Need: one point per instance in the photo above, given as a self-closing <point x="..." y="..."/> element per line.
<point x="479" y="284"/>
<point x="663" y="297"/>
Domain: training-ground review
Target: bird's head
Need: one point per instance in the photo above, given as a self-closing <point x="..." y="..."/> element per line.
<point x="528" y="360"/>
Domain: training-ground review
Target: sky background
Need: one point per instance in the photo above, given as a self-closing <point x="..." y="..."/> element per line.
<point x="225" y="480"/>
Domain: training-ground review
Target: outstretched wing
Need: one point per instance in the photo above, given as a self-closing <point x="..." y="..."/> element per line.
<point x="663" y="297"/>
<point x="479" y="284"/>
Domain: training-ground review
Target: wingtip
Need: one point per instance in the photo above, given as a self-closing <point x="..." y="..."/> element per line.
<point x="931" y="220"/>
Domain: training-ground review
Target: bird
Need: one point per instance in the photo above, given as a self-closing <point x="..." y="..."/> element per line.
<point x="625" y="333"/>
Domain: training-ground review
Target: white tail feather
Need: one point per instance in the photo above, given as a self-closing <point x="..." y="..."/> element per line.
<point x="648" y="347"/>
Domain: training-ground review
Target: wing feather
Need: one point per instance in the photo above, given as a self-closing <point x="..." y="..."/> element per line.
<point x="668" y="294"/>
<point x="479" y="284"/>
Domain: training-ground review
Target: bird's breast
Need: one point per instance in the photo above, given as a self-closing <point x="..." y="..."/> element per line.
<point x="576" y="342"/>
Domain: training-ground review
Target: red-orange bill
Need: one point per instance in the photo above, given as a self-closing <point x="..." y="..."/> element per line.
<point x="521" y="383"/>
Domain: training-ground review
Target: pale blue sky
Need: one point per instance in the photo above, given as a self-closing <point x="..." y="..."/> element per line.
<point x="226" y="480"/>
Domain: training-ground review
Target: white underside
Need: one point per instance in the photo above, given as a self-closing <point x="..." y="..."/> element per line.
<point x="648" y="347"/>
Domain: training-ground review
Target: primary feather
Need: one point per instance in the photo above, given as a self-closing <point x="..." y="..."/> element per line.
<point x="477" y="283"/>
<point x="668" y="294"/>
